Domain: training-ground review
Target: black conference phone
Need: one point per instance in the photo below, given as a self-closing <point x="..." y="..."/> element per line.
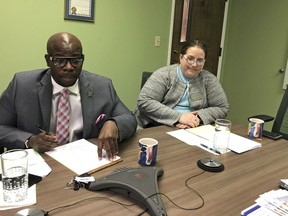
<point x="139" y="184"/>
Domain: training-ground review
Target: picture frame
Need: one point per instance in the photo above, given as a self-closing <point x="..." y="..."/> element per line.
<point x="81" y="10"/>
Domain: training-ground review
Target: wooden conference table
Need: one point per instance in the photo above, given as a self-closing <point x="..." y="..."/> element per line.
<point x="245" y="177"/>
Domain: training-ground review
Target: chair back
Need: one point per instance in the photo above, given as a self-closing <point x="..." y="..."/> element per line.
<point x="145" y="77"/>
<point x="280" y="124"/>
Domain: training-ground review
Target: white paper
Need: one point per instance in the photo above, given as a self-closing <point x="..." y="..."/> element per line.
<point x="240" y="144"/>
<point x="205" y="135"/>
<point x="272" y="203"/>
<point x="30" y="200"/>
<point x="192" y="139"/>
<point x="41" y="169"/>
<point x="80" y="156"/>
<point x="204" y="131"/>
<point x="185" y="137"/>
<point x="36" y="164"/>
<point x="83" y="7"/>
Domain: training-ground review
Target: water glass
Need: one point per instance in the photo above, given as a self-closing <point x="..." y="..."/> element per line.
<point x="221" y="135"/>
<point x="14" y="165"/>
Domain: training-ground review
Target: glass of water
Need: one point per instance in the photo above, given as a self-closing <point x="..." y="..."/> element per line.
<point x="221" y="135"/>
<point x="14" y="165"/>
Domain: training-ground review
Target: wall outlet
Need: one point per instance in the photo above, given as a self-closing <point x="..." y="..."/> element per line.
<point x="157" y="41"/>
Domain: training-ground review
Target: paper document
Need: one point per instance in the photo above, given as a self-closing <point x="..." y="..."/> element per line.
<point x="192" y="139"/>
<point x="30" y="200"/>
<point x="272" y="203"/>
<point x="36" y="164"/>
<point x="204" y="135"/>
<point x="240" y="144"/>
<point x="204" y="131"/>
<point x="80" y="156"/>
<point x="186" y="137"/>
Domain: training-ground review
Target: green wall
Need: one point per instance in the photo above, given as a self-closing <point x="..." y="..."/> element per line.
<point x="255" y="49"/>
<point x="119" y="44"/>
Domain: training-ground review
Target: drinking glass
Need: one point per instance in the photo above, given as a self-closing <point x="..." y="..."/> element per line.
<point x="14" y="165"/>
<point x="221" y="135"/>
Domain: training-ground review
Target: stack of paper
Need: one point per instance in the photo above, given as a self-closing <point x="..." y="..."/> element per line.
<point x="204" y="131"/>
<point x="240" y="144"/>
<point x="272" y="203"/>
<point x="204" y="135"/>
<point x="30" y="200"/>
<point x="81" y="156"/>
<point x="36" y="164"/>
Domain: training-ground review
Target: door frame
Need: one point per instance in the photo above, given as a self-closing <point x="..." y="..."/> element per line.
<point x="222" y="36"/>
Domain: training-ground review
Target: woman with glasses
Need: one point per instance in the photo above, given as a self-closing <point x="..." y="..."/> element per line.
<point x="182" y="95"/>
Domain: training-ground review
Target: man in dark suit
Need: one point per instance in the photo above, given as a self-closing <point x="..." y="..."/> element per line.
<point x="28" y="105"/>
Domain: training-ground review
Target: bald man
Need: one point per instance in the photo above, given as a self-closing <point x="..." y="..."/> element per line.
<point x="29" y="104"/>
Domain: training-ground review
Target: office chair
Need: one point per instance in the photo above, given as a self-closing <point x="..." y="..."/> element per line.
<point x="280" y="125"/>
<point x="145" y="77"/>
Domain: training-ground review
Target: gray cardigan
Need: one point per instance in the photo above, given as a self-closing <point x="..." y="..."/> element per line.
<point x="163" y="90"/>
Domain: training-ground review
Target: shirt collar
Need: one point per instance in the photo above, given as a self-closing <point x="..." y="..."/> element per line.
<point x="181" y="76"/>
<point x="57" y="88"/>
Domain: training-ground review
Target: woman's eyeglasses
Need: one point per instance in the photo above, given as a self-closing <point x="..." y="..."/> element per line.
<point x="192" y="60"/>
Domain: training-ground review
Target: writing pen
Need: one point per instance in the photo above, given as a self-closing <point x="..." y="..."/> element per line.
<point x="212" y="149"/>
<point x="41" y="130"/>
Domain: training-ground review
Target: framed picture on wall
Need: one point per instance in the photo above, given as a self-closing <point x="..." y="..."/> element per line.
<point x="82" y="10"/>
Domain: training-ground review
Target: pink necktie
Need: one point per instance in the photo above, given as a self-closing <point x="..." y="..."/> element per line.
<point x="63" y="116"/>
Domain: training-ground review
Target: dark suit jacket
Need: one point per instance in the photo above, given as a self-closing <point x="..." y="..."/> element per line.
<point x="27" y="102"/>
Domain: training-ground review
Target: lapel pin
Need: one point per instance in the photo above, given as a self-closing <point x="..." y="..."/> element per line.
<point x="90" y="94"/>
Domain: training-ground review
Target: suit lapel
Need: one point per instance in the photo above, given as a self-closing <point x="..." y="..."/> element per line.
<point x="87" y="100"/>
<point x="45" y="97"/>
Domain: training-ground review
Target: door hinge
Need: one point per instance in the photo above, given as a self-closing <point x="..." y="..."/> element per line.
<point x="220" y="51"/>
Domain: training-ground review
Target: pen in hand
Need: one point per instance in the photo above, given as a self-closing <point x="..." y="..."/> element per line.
<point x="47" y="133"/>
<point x="41" y="130"/>
<point x="212" y="149"/>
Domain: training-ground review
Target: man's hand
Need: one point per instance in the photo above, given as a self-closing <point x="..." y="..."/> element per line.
<point x="43" y="142"/>
<point x="108" y="140"/>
